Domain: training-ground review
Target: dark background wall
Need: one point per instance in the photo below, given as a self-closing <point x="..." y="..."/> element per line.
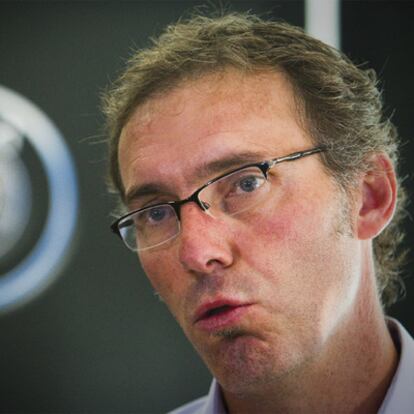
<point x="98" y="340"/>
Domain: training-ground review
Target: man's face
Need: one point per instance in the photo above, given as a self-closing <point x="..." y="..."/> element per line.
<point x="261" y="294"/>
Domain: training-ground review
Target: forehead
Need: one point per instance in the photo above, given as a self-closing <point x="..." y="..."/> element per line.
<point x="204" y="120"/>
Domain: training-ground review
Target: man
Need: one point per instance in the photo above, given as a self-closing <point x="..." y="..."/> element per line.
<point x="258" y="175"/>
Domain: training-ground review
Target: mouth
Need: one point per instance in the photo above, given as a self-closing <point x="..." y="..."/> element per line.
<point x="218" y="315"/>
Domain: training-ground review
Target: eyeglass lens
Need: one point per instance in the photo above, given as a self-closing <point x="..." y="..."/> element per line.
<point x="228" y="196"/>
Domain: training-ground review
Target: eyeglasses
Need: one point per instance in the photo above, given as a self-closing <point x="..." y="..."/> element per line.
<point x="227" y="195"/>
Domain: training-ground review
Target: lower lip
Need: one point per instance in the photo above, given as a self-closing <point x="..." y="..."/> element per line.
<point x="222" y="320"/>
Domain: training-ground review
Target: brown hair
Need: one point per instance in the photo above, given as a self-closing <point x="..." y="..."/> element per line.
<point x="339" y="102"/>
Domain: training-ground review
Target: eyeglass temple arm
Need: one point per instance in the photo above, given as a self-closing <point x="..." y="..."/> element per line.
<point x="296" y="155"/>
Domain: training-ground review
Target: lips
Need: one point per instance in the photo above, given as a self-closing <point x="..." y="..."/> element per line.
<point x="219" y="314"/>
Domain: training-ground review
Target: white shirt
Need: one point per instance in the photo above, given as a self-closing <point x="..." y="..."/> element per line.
<point x="398" y="400"/>
<point x="400" y="395"/>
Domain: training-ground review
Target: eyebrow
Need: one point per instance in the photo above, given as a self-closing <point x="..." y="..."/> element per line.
<point x="209" y="169"/>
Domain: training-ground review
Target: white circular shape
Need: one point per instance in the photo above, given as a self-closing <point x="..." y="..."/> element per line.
<point x="15" y="201"/>
<point x="45" y="261"/>
<point x="11" y="141"/>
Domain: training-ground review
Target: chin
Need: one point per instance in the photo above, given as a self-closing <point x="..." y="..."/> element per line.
<point x="245" y="365"/>
<point x="242" y="363"/>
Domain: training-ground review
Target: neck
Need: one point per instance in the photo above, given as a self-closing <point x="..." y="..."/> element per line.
<point x="351" y="375"/>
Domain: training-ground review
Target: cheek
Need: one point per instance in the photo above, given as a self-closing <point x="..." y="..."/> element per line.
<point x="161" y="274"/>
<point x="282" y="230"/>
<point x="296" y="250"/>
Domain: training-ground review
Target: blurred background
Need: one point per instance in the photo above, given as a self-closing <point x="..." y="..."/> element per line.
<point x="97" y="340"/>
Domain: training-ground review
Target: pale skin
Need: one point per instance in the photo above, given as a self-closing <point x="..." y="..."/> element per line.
<point x="313" y="338"/>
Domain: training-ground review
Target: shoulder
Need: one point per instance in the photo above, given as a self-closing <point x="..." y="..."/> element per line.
<point x="193" y="407"/>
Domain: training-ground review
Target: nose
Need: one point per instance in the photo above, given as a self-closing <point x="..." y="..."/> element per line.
<point x="205" y="243"/>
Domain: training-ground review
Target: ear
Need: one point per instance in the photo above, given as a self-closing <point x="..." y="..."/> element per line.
<point x="378" y="192"/>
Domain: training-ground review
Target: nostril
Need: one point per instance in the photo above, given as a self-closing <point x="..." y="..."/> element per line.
<point x="211" y="262"/>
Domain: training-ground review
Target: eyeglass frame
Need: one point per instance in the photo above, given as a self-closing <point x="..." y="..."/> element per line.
<point x="264" y="167"/>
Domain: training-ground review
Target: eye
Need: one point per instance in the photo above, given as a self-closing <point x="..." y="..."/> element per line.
<point x="237" y="186"/>
<point x="239" y="191"/>
<point x="249" y="184"/>
<point x="155" y="216"/>
<point x="244" y="184"/>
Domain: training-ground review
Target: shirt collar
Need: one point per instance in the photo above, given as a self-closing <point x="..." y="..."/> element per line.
<point x="214" y="403"/>
<point x="400" y="395"/>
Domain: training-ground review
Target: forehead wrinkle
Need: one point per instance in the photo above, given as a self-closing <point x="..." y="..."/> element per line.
<point x="248" y="97"/>
<point x="165" y="110"/>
